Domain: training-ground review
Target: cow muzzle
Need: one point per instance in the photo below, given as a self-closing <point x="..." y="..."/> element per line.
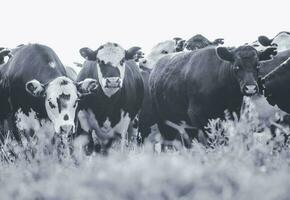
<point x="250" y="90"/>
<point x="113" y="82"/>
<point x="66" y="129"/>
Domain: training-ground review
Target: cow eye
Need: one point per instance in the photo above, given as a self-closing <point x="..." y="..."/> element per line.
<point x="236" y="68"/>
<point x="164" y="52"/>
<point x="51" y="105"/>
<point x="122" y="62"/>
<point x="76" y="103"/>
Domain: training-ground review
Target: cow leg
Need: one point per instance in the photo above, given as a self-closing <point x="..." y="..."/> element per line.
<point x="197" y="121"/>
<point x="133" y="130"/>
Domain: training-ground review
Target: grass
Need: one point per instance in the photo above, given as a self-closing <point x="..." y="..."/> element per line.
<point x="245" y="168"/>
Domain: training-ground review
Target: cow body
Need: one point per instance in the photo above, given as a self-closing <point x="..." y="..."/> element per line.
<point x="192" y="87"/>
<point x="38" y="91"/>
<point x="110" y="113"/>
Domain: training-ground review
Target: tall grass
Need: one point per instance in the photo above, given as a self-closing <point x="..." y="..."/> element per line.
<point x="241" y="163"/>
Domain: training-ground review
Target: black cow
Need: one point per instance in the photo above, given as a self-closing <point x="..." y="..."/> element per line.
<point x="109" y="111"/>
<point x="276" y="84"/>
<point x="37" y="90"/>
<point x="199" y="41"/>
<point x="134" y="53"/>
<point x="191" y="88"/>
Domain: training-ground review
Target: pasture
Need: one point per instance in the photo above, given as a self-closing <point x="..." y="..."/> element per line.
<point x="245" y="168"/>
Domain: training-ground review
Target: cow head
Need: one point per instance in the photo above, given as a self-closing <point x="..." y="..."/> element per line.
<point x="179" y="43"/>
<point x="5" y="54"/>
<point x="199" y="42"/>
<point x="110" y="65"/>
<point x="61" y="97"/>
<point x="244" y="65"/>
<point x="281" y="40"/>
<point x="134" y="53"/>
<point x="157" y="52"/>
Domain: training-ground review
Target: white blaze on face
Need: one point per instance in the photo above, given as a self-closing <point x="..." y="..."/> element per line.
<point x="114" y="55"/>
<point x="157" y="52"/>
<point x="52" y="64"/>
<point x="61" y="103"/>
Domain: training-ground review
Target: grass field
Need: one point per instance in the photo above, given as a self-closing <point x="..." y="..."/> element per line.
<point x="246" y="168"/>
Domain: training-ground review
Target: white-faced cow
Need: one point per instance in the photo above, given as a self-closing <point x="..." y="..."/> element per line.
<point x="158" y="51"/>
<point x="38" y="91"/>
<point x="192" y="87"/>
<point x="108" y="112"/>
<point x="281" y="40"/>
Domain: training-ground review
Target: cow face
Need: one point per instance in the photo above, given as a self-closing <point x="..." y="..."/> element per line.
<point x="111" y="67"/>
<point x="157" y="52"/>
<point x="61" y="100"/>
<point x="245" y="62"/>
<point x="5" y="54"/>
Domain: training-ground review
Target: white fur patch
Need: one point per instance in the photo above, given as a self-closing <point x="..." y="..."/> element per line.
<point x="52" y="64"/>
<point x="27" y="122"/>
<point x="61" y="85"/>
<point x="158" y="52"/>
<point x="110" y="53"/>
<point x="283" y="41"/>
<point x="88" y="122"/>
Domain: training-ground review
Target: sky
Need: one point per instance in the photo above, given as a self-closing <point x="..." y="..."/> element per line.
<point x="68" y="25"/>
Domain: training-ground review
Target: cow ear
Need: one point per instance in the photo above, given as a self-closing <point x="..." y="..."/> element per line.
<point x="225" y="54"/>
<point x="265" y="41"/>
<point x="35" y="88"/>
<point x="88" y="54"/>
<point x="218" y="41"/>
<point x="87" y="86"/>
<point x="268" y="53"/>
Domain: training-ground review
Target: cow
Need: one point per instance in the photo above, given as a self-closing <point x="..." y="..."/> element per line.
<point x="134" y="53"/>
<point x="199" y="41"/>
<point x="107" y="113"/>
<point x="5" y="54"/>
<point x="281" y="40"/>
<point x="157" y="52"/>
<point x="189" y="88"/>
<point x="276" y="83"/>
<point x="147" y="116"/>
<point x="37" y="91"/>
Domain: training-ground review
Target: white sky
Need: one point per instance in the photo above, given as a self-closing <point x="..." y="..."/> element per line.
<point x="68" y="25"/>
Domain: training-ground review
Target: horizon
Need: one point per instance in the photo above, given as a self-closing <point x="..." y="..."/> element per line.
<point x="68" y="26"/>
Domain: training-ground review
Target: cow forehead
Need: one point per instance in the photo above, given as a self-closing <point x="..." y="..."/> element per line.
<point x="281" y="37"/>
<point x="245" y="52"/>
<point x="168" y="45"/>
<point x="111" y="53"/>
<point x="61" y="85"/>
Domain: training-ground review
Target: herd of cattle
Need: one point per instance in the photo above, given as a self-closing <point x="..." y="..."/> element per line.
<point x="179" y="86"/>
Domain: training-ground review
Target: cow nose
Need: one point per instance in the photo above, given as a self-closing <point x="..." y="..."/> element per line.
<point x="250" y="89"/>
<point x="113" y="82"/>
<point x="65" y="129"/>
